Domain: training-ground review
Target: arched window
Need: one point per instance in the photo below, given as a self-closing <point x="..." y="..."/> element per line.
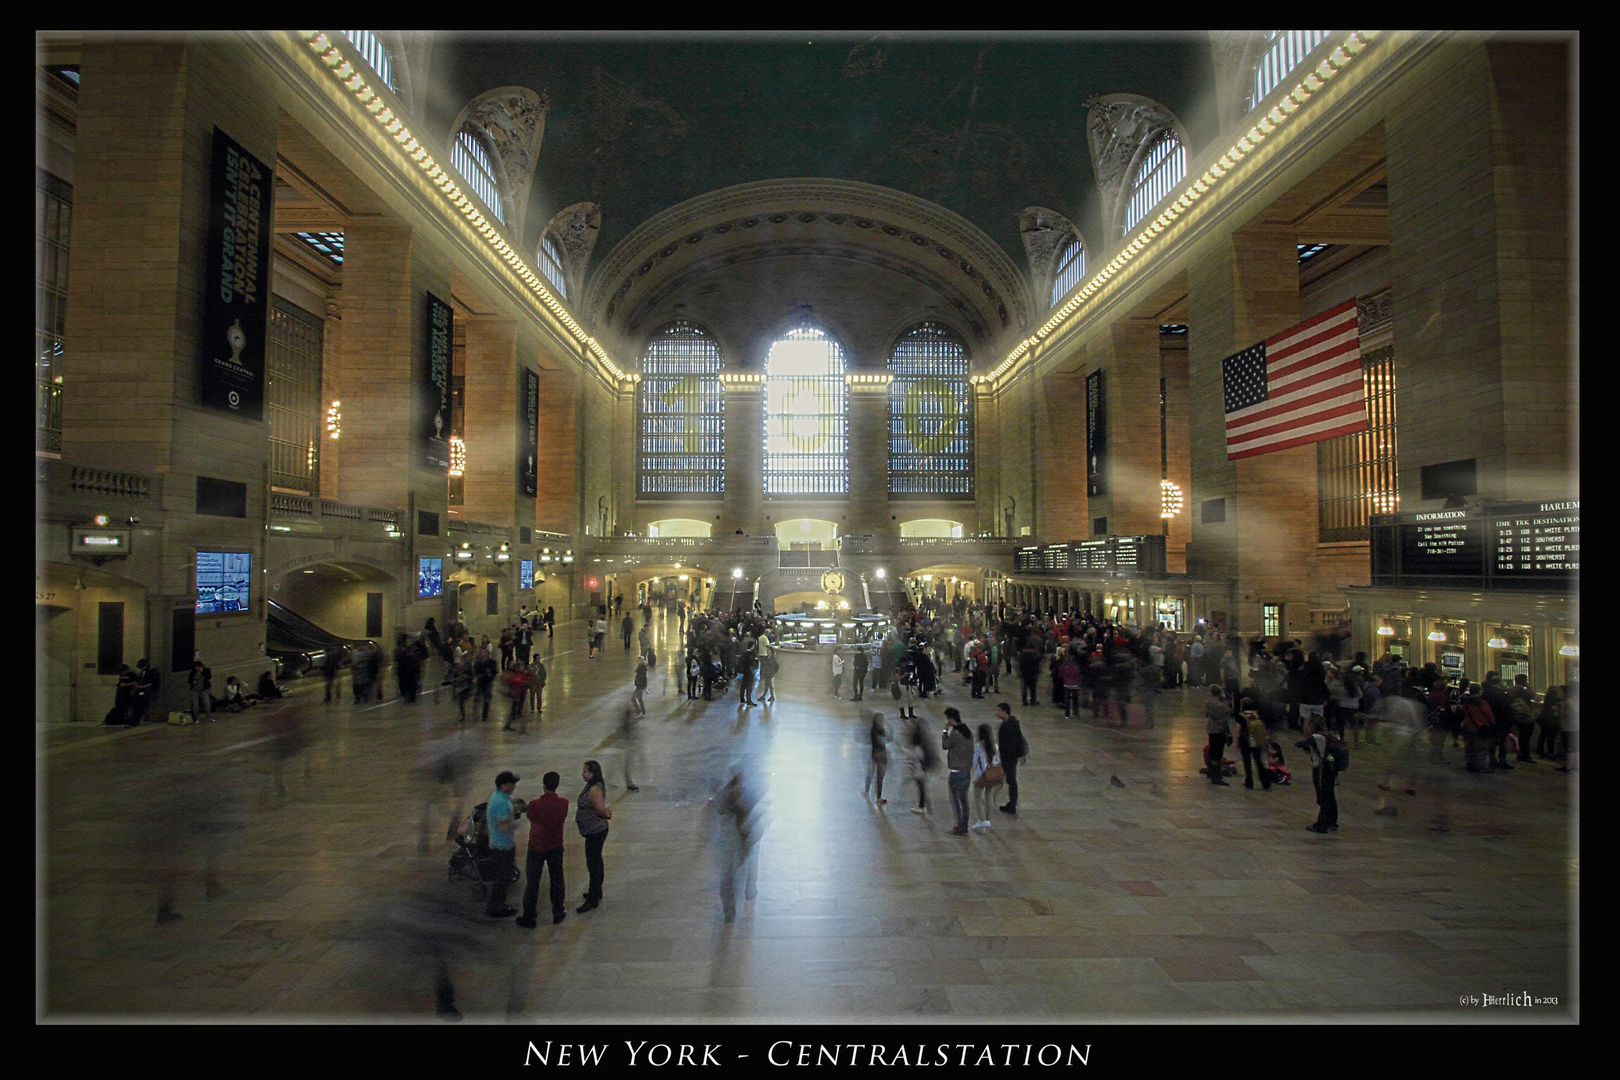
<point x="371" y="49"/>
<point x="806" y="416"/>
<point x="1071" y="263"/>
<point x="930" y="416"/>
<point x="551" y="265"/>
<point x="1163" y="167"/>
<point x="1283" y="53"/>
<point x="681" y="416"/>
<point x="472" y="161"/>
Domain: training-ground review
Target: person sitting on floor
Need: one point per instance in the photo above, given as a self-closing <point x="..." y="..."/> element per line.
<point x="233" y="700"/>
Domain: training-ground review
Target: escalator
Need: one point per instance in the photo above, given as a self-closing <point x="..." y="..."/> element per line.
<point x="298" y="645"/>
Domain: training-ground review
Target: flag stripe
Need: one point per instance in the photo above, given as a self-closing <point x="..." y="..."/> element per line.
<point x="1318" y="421"/>
<point x="1297" y="387"/>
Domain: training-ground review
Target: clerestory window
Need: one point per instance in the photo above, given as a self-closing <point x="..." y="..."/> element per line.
<point x="806" y="416"/>
<point x="473" y="162"/>
<point x="1163" y="167"/>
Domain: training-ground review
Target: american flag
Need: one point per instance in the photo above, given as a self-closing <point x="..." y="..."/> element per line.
<point x="1297" y="387"/>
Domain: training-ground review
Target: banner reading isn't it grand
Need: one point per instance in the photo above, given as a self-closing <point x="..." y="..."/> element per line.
<point x="237" y="280"/>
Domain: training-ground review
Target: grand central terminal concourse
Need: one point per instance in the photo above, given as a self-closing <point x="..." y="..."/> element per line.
<point x="873" y="530"/>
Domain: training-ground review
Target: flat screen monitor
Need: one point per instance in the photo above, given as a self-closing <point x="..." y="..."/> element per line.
<point x="526" y="574"/>
<point x="429" y="577"/>
<point x="223" y="581"/>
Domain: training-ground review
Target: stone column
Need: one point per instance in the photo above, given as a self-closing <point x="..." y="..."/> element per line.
<point x="493" y="422"/>
<point x="868" y="457"/>
<point x="557" y="502"/>
<point x="1061" y="510"/>
<point x="1131" y="388"/>
<point x="745" y="461"/>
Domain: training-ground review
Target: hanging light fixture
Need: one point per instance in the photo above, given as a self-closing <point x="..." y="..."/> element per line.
<point x="334" y="419"/>
<point x="458" y="456"/>
<point x="1169" y="499"/>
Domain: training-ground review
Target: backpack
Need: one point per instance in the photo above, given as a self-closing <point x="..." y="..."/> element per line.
<point x="1524" y="714"/>
<point x="1339" y="752"/>
<point x="1477" y="717"/>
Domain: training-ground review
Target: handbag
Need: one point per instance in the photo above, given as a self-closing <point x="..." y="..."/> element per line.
<point x="993" y="776"/>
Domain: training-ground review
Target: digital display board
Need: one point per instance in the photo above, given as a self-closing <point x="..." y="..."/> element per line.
<point x="1540" y="540"/>
<point x="1513" y="545"/>
<point x="429" y="577"/>
<point x="223" y="581"/>
<point x="1446" y="543"/>
<point x="526" y="574"/>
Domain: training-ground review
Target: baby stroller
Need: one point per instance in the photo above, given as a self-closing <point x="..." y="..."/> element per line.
<point x="472" y="860"/>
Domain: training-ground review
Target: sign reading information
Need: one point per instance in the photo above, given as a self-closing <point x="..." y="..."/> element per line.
<point x="237" y="281"/>
<point x="1518" y="544"/>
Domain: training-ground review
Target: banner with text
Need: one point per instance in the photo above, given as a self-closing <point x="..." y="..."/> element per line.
<point x="435" y="385"/>
<point x="238" y="281"/>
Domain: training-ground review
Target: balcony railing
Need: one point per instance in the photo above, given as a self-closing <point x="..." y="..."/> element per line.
<point x="308" y="508"/>
<point x="62" y="479"/>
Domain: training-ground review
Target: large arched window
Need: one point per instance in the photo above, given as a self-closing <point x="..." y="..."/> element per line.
<point x="681" y="415"/>
<point x="373" y="51"/>
<point x="806" y="416"/>
<point x="1163" y="167"/>
<point x="551" y="265"/>
<point x="472" y="161"/>
<point x="1071" y="263"/>
<point x="1284" y="51"/>
<point x="930" y="416"/>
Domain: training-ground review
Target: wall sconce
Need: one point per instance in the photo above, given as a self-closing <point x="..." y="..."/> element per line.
<point x="504" y="554"/>
<point x="463" y="553"/>
<point x="334" y="419"/>
<point x="458" y="456"/>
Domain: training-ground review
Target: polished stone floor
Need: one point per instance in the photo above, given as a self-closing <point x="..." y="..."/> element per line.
<point x="1127" y="888"/>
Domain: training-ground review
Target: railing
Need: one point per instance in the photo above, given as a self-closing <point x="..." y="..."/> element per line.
<point x="284" y="504"/>
<point x="806" y="558"/>
<point x="64" y="479"/>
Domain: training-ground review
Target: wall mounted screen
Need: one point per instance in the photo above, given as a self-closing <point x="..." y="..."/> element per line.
<point x="223" y="581"/>
<point x="429" y="577"/>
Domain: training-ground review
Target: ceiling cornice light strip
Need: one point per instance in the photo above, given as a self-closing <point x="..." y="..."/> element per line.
<point x="1270" y="122"/>
<point x="338" y="66"/>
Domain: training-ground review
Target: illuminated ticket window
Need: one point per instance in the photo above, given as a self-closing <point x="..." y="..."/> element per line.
<point x="1447" y="641"/>
<point x="1394" y="634"/>
<point x="1508" y="651"/>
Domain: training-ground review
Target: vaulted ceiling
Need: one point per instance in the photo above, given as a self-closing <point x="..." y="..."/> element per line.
<point x="983" y="125"/>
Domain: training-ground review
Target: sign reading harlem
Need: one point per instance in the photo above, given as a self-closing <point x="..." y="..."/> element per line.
<point x="237" y="276"/>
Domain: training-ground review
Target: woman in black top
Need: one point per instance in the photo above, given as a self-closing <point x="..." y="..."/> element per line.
<point x="591" y="816"/>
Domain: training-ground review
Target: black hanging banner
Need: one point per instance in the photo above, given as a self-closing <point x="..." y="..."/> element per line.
<point x="530" y="440"/>
<point x="1096" y="436"/>
<point x="435" y="386"/>
<point x="238" y="281"/>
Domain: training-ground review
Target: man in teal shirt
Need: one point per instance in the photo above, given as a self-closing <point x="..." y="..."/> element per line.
<point x="502" y="819"/>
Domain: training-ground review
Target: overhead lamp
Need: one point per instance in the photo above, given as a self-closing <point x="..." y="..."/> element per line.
<point x="736" y="573"/>
<point x="1436" y="635"/>
<point x="1496" y="643"/>
<point x="458" y="456"/>
<point x="334" y="419"/>
<point x="100" y="521"/>
<point x="463" y="553"/>
<point x="882" y="573"/>
<point x="1573" y="651"/>
<point x="504" y="554"/>
<point x="1386" y="631"/>
<point x="683" y="577"/>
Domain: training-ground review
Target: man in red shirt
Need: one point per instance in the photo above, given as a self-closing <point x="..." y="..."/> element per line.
<point x="546" y="816"/>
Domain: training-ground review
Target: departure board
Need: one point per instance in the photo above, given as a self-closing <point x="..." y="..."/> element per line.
<point x="1537" y="540"/>
<point x="1515" y="545"/>
<point x="1445" y="543"/>
<point x="1091" y="555"/>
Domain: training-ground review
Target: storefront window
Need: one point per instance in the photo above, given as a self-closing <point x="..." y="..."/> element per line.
<point x="1394" y="635"/>
<point x="1170" y="612"/>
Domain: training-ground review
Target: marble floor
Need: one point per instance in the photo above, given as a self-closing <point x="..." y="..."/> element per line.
<point x="304" y="844"/>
